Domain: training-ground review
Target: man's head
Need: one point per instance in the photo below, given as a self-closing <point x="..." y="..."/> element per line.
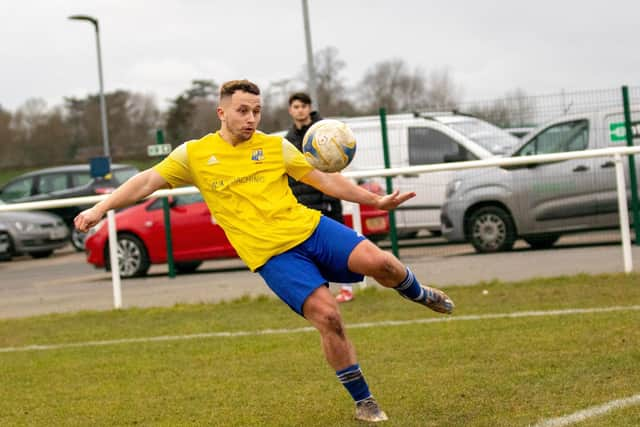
<point x="300" y="108"/>
<point x="239" y="110"/>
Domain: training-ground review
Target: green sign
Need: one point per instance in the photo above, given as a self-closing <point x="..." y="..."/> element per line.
<point x="158" y="150"/>
<point x="618" y="133"/>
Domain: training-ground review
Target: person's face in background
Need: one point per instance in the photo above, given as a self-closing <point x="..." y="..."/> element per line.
<point x="300" y="112"/>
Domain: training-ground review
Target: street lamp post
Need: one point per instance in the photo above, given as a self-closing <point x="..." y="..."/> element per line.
<point x="310" y="67"/>
<point x="103" y="107"/>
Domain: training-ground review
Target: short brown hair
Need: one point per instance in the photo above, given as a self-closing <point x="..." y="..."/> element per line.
<point x="300" y="96"/>
<point x="230" y="87"/>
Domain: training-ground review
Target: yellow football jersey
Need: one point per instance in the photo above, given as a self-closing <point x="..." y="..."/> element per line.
<point x="246" y="190"/>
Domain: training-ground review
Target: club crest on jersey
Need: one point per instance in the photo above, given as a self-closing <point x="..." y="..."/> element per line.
<point x="257" y="155"/>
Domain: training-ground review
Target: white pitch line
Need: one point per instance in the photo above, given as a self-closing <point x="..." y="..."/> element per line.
<point x="594" y="411"/>
<point x="518" y="314"/>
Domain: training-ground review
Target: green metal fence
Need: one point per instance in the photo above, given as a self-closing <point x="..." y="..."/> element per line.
<point x="565" y="204"/>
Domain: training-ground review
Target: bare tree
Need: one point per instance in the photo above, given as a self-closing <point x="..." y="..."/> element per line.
<point x="521" y="107"/>
<point x="132" y="118"/>
<point x="332" y="93"/>
<point x="38" y="134"/>
<point x="192" y="113"/>
<point x="513" y="110"/>
<point x="390" y="84"/>
<point x="442" y="93"/>
<point x="6" y="139"/>
<point x="275" y="115"/>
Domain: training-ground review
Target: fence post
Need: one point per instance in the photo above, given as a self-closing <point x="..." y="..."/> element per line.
<point x="389" y="181"/>
<point x="167" y="220"/>
<point x="632" y="165"/>
<point x="624" y="214"/>
<point x="113" y="259"/>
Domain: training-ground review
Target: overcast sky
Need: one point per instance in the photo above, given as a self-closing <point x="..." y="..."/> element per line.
<point x="159" y="46"/>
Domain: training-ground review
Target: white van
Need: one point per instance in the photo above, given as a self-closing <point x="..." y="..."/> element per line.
<point x="423" y="139"/>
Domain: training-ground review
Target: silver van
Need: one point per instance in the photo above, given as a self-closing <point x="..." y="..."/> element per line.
<point x="491" y="208"/>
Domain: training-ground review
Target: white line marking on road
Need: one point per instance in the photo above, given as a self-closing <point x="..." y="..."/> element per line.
<point x="594" y="411"/>
<point x="518" y="314"/>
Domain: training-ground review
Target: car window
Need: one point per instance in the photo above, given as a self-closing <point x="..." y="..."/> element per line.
<point x="188" y="199"/>
<point x="430" y="146"/>
<point x="121" y="175"/>
<point x="157" y="204"/>
<point x="563" y="137"/>
<point x="182" y="200"/>
<point x="17" y="189"/>
<point x="79" y="179"/>
<point x="52" y="182"/>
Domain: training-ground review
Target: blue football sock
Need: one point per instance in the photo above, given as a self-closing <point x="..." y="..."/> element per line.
<point x="410" y="287"/>
<point x="353" y="380"/>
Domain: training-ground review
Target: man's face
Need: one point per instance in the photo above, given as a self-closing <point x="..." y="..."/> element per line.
<point x="240" y="114"/>
<point x="299" y="111"/>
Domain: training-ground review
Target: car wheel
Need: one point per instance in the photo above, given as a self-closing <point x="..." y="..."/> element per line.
<point x="133" y="260"/>
<point x="188" y="266"/>
<point x="6" y="256"/>
<point x="491" y="229"/>
<point x="77" y="239"/>
<point x="542" y="241"/>
<point x="41" y="254"/>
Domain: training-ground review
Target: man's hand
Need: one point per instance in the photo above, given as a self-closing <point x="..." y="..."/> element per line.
<point x="336" y="185"/>
<point x="88" y="218"/>
<point x="393" y="200"/>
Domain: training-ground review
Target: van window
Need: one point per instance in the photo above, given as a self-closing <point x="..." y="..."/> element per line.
<point x="429" y="146"/>
<point x="563" y="137"/>
<point x="52" y="182"/>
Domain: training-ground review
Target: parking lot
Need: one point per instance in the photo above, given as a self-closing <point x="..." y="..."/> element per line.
<point x="65" y="282"/>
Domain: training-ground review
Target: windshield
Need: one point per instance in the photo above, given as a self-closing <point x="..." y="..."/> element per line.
<point x="490" y="137"/>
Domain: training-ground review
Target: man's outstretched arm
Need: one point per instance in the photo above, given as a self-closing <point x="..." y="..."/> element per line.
<point x="136" y="188"/>
<point x="342" y="188"/>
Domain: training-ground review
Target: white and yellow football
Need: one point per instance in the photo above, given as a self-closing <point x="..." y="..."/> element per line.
<point x="329" y="145"/>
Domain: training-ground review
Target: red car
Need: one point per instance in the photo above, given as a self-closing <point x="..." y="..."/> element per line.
<point x="194" y="234"/>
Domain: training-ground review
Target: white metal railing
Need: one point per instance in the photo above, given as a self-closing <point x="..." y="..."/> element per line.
<point x="616" y="153"/>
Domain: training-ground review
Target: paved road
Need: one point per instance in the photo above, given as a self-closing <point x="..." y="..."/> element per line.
<point x="66" y="283"/>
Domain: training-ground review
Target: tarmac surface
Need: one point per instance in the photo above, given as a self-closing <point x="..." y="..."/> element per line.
<point x="66" y="283"/>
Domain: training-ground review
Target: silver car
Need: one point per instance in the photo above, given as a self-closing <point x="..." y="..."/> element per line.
<point x="37" y="234"/>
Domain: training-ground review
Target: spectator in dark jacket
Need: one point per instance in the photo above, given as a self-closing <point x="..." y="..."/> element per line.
<point x="303" y="117"/>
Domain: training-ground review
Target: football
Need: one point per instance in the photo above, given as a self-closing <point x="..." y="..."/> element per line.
<point x="329" y="145"/>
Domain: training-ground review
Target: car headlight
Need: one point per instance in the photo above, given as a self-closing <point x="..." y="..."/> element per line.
<point x="25" y="227"/>
<point x="452" y="187"/>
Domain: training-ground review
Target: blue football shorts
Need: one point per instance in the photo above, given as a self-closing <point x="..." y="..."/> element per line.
<point x="293" y="275"/>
